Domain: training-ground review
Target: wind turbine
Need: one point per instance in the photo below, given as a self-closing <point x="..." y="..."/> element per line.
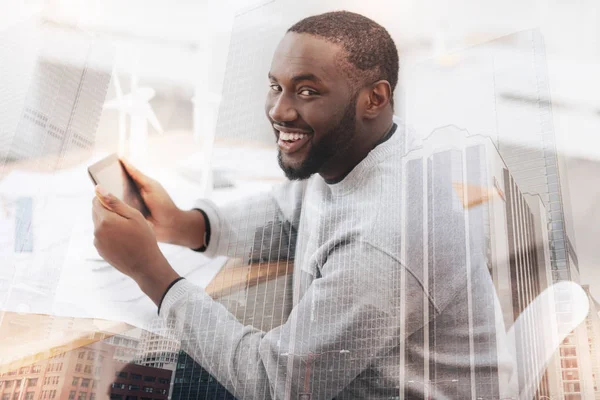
<point x="136" y="104"/>
<point x="206" y="107"/>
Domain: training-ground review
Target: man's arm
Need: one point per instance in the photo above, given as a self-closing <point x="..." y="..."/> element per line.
<point x="261" y="227"/>
<point x="258" y="228"/>
<point x="347" y="319"/>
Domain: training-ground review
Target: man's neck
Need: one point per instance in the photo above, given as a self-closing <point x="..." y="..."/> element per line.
<point x="363" y="144"/>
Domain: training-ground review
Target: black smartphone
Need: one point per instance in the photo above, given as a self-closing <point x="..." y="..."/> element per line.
<point x="110" y="173"/>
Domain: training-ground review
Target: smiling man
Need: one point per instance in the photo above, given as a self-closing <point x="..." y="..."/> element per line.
<point x="314" y="94"/>
<point x="364" y="323"/>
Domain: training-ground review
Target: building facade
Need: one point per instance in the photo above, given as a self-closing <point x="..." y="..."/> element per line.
<point x="126" y="347"/>
<point x="86" y="373"/>
<point x="193" y="382"/>
<point x="500" y="89"/>
<point x="501" y="227"/>
<point x="529" y="145"/>
<point x="137" y="382"/>
<point x="158" y="346"/>
<point x="80" y="374"/>
<point x="592" y="323"/>
<point x="56" y="93"/>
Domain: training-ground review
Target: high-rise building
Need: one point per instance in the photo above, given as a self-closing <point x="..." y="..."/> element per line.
<point x="592" y="323"/>
<point x="544" y="274"/>
<point x="54" y="91"/>
<point x="16" y="76"/>
<point x="133" y="382"/>
<point x="500" y="89"/>
<point x="82" y="374"/>
<point x="52" y="88"/>
<point x="46" y="335"/>
<point x="159" y="345"/>
<point x="126" y="347"/>
<point x="89" y="372"/>
<point x="500" y="227"/>
<point x="194" y="382"/>
<point x="528" y="143"/>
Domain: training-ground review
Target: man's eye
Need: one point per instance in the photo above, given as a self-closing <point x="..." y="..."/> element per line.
<point x="276" y="88"/>
<point x="307" y="92"/>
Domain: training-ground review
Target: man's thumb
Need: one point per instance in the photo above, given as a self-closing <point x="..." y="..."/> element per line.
<point x="112" y="203"/>
<point x="138" y="177"/>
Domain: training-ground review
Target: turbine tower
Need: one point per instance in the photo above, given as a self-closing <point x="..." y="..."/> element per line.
<point x="136" y="105"/>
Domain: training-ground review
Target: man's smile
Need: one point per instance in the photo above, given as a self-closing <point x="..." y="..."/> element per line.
<point x="291" y="140"/>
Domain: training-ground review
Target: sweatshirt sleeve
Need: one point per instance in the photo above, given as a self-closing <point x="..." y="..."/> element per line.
<point x="362" y="306"/>
<point x="259" y="228"/>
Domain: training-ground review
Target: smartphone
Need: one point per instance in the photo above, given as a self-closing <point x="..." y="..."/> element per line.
<point x="112" y="175"/>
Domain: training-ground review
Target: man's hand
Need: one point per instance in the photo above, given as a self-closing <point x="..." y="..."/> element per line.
<point x="170" y="223"/>
<point x="124" y="239"/>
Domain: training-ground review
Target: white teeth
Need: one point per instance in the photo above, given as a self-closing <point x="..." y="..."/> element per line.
<point x="291" y="136"/>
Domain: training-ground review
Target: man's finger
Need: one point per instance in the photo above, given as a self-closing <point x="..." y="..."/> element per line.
<point x="99" y="209"/>
<point x="99" y="201"/>
<point x="95" y="205"/>
<point x="113" y="204"/>
<point x="100" y="212"/>
<point x="138" y="177"/>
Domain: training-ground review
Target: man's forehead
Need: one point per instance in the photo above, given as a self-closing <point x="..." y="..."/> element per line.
<point x="301" y="54"/>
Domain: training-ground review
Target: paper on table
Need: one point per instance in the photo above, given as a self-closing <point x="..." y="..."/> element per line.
<point x="83" y="278"/>
<point x="29" y="278"/>
<point x="90" y="287"/>
<point x="116" y="297"/>
<point x="60" y="276"/>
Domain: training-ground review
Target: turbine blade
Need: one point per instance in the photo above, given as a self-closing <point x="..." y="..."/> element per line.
<point x="153" y="120"/>
<point x="117" y="84"/>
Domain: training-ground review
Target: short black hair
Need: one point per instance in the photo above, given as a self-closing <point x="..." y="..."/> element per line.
<point x="369" y="47"/>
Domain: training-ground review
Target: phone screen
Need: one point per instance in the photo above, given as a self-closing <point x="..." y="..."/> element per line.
<point x="111" y="174"/>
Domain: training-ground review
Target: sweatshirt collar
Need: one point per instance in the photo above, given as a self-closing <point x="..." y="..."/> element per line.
<point x="380" y="141"/>
<point x="390" y="144"/>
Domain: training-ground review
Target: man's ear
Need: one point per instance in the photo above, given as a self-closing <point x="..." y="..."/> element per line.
<point x="379" y="96"/>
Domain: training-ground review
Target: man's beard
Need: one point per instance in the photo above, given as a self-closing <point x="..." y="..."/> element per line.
<point x="336" y="140"/>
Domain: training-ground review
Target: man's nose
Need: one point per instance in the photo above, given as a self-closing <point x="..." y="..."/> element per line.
<point x="283" y="110"/>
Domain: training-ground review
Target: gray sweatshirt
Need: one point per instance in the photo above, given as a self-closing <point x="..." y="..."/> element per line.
<point x="365" y="322"/>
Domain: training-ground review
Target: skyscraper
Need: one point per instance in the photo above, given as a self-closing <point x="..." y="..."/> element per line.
<point x="53" y="91"/>
<point x="126" y="347"/>
<point x="158" y="346"/>
<point x="592" y="323"/>
<point x="500" y="89"/>
<point x="82" y="374"/>
<point x="53" y="81"/>
<point x="500" y="227"/>
<point x="528" y="143"/>
<point x="194" y="382"/>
